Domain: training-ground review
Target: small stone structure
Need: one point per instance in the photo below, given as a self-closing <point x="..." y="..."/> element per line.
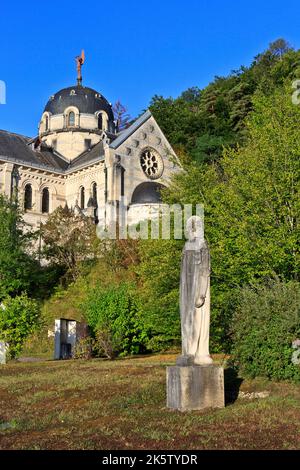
<point x="195" y="382"/>
<point x="3" y="350"/>
<point x="66" y="334"/>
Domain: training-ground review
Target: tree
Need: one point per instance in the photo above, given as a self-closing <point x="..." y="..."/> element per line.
<point x="252" y="206"/>
<point x="218" y="112"/>
<point x="69" y="240"/>
<point x="16" y="264"/>
<point x="121" y="116"/>
<point x="265" y="328"/>
<point x="158" y="280"/>
<point x="18" y="318"/>
<point x="113" y="315"/>
<point x="209" y="148"/>
<point x="191" y="95"/>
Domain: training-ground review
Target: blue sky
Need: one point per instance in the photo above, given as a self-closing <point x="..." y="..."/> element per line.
<point x="134" y="48"/>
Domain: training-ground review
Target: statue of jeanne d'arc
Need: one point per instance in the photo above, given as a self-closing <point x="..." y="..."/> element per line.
<point x="195" y="296"/>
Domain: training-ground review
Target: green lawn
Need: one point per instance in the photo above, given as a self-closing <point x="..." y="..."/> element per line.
<point x="101" y="404"/>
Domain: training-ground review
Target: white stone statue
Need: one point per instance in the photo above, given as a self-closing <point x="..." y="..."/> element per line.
<point x="195" y="296"/>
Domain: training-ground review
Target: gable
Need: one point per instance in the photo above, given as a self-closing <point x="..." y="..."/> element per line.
<point x="144" y="131"/>
<point x="145" y="154"/>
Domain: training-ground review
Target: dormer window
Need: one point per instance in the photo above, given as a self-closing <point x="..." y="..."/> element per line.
<point x="102" y="120"/>
<point x="72" y="93"/>
<point x="71" y="119"/>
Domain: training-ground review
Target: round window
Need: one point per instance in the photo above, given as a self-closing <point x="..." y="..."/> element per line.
<point x="151" y="163"/>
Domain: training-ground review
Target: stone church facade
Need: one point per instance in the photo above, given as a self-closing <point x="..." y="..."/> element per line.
<point x="80" y="159"/>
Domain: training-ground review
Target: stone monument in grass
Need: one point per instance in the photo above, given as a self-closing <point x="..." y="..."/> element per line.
<point x="195" y="382"/>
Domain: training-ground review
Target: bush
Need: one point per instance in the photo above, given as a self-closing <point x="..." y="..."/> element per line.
<point x="113" y="316"/>
<point x="83" y="348"/>
<point x="159" y="278"/>
<point x="105" y="344"/>
<point x="265" y="324"/>
<point x="18" y="318"/>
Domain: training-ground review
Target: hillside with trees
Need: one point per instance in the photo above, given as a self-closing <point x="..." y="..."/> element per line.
<point x="200" y="122"/>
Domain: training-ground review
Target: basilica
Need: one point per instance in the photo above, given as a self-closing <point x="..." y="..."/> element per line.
<point x="81" y="159"/>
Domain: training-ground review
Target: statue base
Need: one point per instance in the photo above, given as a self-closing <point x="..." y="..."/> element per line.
<point x="195" y="387"/>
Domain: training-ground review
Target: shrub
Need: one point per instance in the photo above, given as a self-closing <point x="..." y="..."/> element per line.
<point x="113" y="315"/>
<point x="18" y="318"/>
<point x="159" y="277"/>
<point x="83" y="348"/>
<point x="265" y="324"/>
<point x="105" y="344"/>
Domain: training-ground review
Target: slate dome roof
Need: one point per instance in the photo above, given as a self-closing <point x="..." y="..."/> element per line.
<point x="85" y="99"/>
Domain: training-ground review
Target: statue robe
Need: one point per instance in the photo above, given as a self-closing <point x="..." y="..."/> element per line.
<point x="194" y="285"/>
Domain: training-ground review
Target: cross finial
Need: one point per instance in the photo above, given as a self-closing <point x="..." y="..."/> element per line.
<point x="79" y="62"/>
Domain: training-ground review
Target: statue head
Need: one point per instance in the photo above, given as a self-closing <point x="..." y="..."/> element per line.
<point x="195" y="229"/>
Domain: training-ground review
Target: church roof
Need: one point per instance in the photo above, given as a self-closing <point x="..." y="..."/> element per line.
<point x="130" y="130"/>
<point x="20" y="149"/>
<point x="17" y="148"/>
<point x="85" y="99"/>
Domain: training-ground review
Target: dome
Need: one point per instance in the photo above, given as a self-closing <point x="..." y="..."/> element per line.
<point x="86" y="99"/>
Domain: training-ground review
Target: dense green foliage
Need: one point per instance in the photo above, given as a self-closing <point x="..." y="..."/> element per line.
<point x="265" y="325"/>
<point x="251" y="202"/>
<point x="20" y="270"/>
<point x="113" y="315"/>
<point x="18" y="318"/>
<point x="158" y="273"/>
<point x="16" y="266"/>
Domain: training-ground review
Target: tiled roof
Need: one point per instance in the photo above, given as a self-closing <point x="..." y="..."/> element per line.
<point x="18" y="149"/>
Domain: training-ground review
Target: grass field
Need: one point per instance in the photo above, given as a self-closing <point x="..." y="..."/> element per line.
<point x="101" y="404"/>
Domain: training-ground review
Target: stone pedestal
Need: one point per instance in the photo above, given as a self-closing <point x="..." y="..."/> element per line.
<point x="195" y="387"/>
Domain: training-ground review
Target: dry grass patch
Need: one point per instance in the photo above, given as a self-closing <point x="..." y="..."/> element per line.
<point x="101" y="404"/>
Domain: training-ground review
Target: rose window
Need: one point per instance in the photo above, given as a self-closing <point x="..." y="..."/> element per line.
<point x="151" y="163"/>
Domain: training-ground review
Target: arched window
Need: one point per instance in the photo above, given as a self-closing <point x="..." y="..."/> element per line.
<point x="94" y="196"/>
<point x="14" y="182"/>
<point x="94" y="193"/>
<point x="47" y="123"/>
<point x="71" y="119"/>
<point x="45" y="201"/>
<point x="100" y="121"/>
<point x="82" y="202"/>
<point x="28" y="197"/>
